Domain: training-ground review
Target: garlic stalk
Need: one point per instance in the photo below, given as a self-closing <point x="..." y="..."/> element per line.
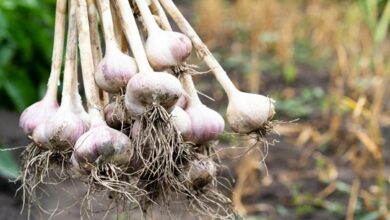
<point x="246" y="112"/>
<point x="38" y="112"/>
<point x="164" y="48"/>
<point x="70" y="121"/>
<point x="116" y="68"/>
<point x="100" y="144"/>
<point x="96" y="45"/>
<point x="148" y="88"/>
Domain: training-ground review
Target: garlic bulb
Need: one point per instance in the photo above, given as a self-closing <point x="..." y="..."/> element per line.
<point x="206" y="124"/>
<point x="164" y="49"/>
<point x="174" y="50"/>
<point x="70" y="121"/>
<point x="201" y="172"/>
<point x="101" y="144"/>
<point x="182" y="122"/>
<point x="38" y="113"/>
<point x="248" y="112"/>
<point x="148" y="89"/>
<point x="66" y="126"/>
<point x="115" y="116"/>
<point x="116" y="68"/>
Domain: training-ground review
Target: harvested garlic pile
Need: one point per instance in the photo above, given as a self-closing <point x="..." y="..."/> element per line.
<point x="147" y="136"/>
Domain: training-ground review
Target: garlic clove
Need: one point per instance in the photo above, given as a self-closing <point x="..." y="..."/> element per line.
<point x="101" y="144"/>
<point x="165" y="49"/>
<point x="115" y="70"/>
<point x="37" y="113"/>
<point x="182" y="122"/>
<point x="248" y="112"/>
<point x="206" y="124"/>
<point x="148" y="89"/>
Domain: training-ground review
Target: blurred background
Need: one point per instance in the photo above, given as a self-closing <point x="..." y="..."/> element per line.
<point x="325" y="62"/>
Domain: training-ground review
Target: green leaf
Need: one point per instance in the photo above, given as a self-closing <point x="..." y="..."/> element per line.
<point x="383" y="25"/>
<point x="289" y="73"/>
<point x="8" y="166"/>
<point x="370" y="216"/>
<point x="18" y="86"/>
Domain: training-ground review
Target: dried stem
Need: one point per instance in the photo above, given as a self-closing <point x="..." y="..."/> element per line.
<point x="161" y="14"/>
<point x="58" y="47"/>
<point x="150" y="23"/>
<point x="131" y="31"/>
<point x="70" y="74"/>
<point x="91" y="89"/>
<point x="96" y="44"/>
<point x="108" y="26"/>
<point x="186" y="79"/>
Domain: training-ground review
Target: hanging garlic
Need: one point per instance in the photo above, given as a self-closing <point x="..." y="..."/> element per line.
<point x="206" y="124"/>
<point x="116" y="68"/>
<point x="148" y="88"/>
<point x="38" y="112"/>
<point x="164" y="48"/>
<point x="246" y="112"/>
<point x="70" y="121"/>
<point x="100" y="144"/>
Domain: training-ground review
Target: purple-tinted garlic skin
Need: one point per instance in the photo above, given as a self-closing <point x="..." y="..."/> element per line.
<point x="183" y="101"/>
<point x="156" y="88"/>
<point x="115" y="116"/>
<point x="167" y="48"/>
<point x="64" y="128"/>
<point x="101" y="144"/>
<point x="206" y="124"/>
<point x="40" y="137"/>
<point x="115" y="70"/>
<point x="201" y="172"/>
<point x="36" y="114"/>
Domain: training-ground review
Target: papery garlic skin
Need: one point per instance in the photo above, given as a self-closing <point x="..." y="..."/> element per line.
<point x="101" y="144"/>
<point x="40" y="137"/>
<point x="147" y="89"/>
<point x="182" y="102"/>
<point x="69" y="122"/>
<point x="206" y="124"/>
<point x="115" y="116"/>
<point x="115" y="70"/>
<point x="165" y="49"/>
<point x="37" y="113"/>
<point x="248" y="112"/>
<point x="181" y="121"/>
<point x="201" y="172"/>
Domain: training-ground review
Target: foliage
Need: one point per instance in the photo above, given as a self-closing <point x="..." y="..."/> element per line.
<point x="8" y="166"/>
<point x="26" y="32"/>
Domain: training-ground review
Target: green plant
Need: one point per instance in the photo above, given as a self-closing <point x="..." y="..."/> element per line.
<point x="25" y="50"/>
<point x="8" y="165"/>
